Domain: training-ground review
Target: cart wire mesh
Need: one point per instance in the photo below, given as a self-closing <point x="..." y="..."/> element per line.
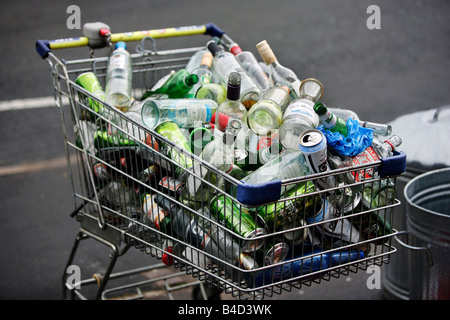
<point x="132" y="185"/>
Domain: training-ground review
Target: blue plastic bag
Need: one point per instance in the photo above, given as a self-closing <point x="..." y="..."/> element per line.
<point x="357" y="140"/>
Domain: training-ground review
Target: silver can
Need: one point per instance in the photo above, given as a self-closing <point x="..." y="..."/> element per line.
<point x="313" y="145"/>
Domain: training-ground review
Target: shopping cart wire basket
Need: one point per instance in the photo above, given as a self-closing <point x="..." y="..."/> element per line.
<point x="132" y="186"/>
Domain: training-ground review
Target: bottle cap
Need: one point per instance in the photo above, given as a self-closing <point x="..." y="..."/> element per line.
<point x="167" y="259"/>
<point x="311" y="88"/>
<point x="121" y="45"/>
<point x="234" y="86"/>
<point x="235" y="49"/>
<point x="214" y="47"/>
<point x="266" y="52"/>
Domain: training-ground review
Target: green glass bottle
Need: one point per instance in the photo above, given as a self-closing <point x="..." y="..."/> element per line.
<point x="329" y="120"/>
<point x="376" y="224"/>
<point x="176" y="86"/>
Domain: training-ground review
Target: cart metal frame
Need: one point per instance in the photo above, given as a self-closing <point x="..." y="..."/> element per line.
<point x="115" y="227"/>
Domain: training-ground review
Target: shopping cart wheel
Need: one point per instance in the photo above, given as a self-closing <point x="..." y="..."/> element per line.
<point x="211" y="292"/>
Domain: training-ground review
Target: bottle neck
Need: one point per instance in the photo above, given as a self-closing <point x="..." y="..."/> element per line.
<point x="233" y="92"/>
<point x="393" y="142"/>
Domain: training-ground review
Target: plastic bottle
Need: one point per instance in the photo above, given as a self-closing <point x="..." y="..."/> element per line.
<point x="119" y="77"/>
<point x="299" y="115"/>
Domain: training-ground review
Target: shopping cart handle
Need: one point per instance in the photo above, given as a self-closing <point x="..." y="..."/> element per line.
<point x="393" y="166"/>
<point x="43" y="48"/>
<point x="259" y="193"/>
<point x="213" y="30"/>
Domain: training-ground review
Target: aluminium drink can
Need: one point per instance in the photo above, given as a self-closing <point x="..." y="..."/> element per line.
<point x="90" y="82"/>
<point x="275" y="251"/>
<point x="313" y="144"/>
<point x="240" y="221"/>
<point x="172" y="132"/>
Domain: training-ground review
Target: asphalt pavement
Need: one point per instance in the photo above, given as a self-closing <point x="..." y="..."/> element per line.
<point x="381" y="74"/>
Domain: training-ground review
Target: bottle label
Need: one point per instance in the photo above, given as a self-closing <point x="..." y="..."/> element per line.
<point x="277" y="95"/>
<point x="192" y="116"/>
<point x="328" y="120"/>
<point x="170" y="183"/>
<point x="299" y="108"/>
<point x="368" y="156"/>
<point x="117" y="61"/>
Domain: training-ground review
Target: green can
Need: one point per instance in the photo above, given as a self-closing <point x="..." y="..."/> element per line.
<point x="285" y="211"/>
<point x="172" y="132"/>
<point x="89" y="82"/>
<point x="240" y="221"/>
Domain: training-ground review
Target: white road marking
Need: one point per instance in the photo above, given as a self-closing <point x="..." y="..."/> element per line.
<point x="29" y="103"/>
<point x="56" y="163"/>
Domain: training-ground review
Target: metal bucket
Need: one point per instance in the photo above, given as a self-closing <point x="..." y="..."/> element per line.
<point x="425" y="152"/>
<point x="428" y="225"/>
<point x="394" y="276"/>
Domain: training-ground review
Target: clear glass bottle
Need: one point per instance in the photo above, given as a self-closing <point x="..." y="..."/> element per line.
<point x="232" y="108"/>
<point x="224" y="63"/>
<point x="119" y="77"/>
<point x="265" y="116"/>
<point x="186" y="113"/>
<point x="204" y="74"/>
<point x="279" y="74"/>
<point x="249" y="63"/>
<point x="177" y="85"/>
<point x="288" y="165"/>
<point x="220" y="153"/>
<point x="213" y="91"/>
<point x="299" y="115"/>
<point x="381" y="129"/>
<point x="329" y="120"/>
<point x="195" y="60"/>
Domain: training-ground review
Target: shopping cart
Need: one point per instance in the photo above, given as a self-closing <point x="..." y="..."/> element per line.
<point x="249" y="241"/>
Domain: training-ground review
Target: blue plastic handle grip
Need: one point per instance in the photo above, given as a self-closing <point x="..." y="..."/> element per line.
<point x="393" y="166"/>
<point x="213" y="30"/>
<point x="43" y="48"/>
<point x="260" y="193"/>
